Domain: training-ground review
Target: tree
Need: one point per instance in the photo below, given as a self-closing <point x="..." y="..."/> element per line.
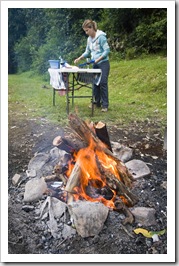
<point x="37" y="35"/>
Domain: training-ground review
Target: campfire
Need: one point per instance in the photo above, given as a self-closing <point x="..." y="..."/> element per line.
<point x="92" y="172"/>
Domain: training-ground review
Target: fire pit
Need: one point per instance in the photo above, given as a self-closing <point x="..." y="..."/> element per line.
<point x="62" y="219"/>
<point x="88" y="176"/>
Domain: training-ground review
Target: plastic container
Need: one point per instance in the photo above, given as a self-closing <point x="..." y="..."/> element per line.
<point x="54" y="64"/>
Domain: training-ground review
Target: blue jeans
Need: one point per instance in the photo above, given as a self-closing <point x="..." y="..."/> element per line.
<point x="101" y="90"/>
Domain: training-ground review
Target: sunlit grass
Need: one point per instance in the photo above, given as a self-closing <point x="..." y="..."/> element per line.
<point x="137" y="91"/>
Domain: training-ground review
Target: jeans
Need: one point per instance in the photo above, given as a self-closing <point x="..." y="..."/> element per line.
<point x="101" y="90"/>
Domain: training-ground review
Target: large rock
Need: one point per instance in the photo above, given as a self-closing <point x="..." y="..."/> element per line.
<point x="138" y="168"/>
<point x="144" y="216"/>
<point x="34" y="189"/>
<point x="43" y="163"/>
<point x="88" y="217"/>
<point x="58" y="207"/>
<point x="123" y="153"/>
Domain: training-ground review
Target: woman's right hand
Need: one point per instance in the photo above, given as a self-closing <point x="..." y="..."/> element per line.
<point x="77" y="60"/>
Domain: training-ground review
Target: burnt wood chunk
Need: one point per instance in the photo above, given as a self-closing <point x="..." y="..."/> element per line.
<point x="63" y="144"/>
<point x="102" y="134"/>
<point x="115" y="184"/>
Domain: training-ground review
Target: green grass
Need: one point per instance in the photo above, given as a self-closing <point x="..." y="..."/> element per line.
<point x="137" y="92"/>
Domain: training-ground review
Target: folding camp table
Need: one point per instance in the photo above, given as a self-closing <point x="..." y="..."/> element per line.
<point x="81" y="77"/>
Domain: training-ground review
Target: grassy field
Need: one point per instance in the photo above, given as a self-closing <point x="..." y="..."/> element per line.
<point x="137" y="92"/>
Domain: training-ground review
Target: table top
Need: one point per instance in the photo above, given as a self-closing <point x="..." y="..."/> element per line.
<point x="77" y="70"/>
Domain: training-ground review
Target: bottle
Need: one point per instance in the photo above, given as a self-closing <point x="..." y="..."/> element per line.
<point x="62" y="62"/>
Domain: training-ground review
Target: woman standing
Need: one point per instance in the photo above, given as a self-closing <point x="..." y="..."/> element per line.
<point x="98" y="48"/>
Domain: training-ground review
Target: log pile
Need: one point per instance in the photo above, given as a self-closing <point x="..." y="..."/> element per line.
<point x="97" y="135"/>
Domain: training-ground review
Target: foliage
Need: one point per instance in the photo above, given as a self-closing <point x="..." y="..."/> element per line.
<point x="39" y="34"/>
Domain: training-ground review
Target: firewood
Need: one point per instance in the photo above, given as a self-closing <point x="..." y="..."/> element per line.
<point x="125" y="176"/>
<point x="102" y="134"/>
<point x="63" y="144"/>
<point x="73" y="179"/>
<point x="85" y="133"/>
<point x="115" y="184"/>
<point x="82" y="130"/>
<point x="121" y="207"/>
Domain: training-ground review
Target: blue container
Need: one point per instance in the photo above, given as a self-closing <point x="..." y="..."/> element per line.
<point x="54" y="63"/>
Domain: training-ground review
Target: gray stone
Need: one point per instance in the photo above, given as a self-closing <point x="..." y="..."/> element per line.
<point x="31" y="173"/>
<point x="123" y="153"/>
<point x="42" y="164"/>
<point x="138" y="168"/>
<point x="15" y="180"/>
<point x="38" y="161"/>
<point x="68" y="231"/>
<point x="144" y="216"/>
<point x="58" y="207"/>
<point x="88" y="217"/>
<point x="34" y="189"/>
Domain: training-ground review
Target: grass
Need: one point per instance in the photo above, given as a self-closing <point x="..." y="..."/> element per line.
<point x="137" y="92"/>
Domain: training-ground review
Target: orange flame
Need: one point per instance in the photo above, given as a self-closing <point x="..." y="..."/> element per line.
<point x="90" y="174"/>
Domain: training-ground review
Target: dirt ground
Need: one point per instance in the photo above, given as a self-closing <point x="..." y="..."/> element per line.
<point x="29" y="236"/>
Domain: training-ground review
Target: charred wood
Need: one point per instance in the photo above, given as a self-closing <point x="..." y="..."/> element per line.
<point x="102" y="134"/>
<point x="115" y="184"/>
<point x="121" y="207"/>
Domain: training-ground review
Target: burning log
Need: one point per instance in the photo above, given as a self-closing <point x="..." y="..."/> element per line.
<point x="121" y="190"/>
<point x="92" y="172"/>
<point x="73" y="180"/>
<point x="85" y="133"/>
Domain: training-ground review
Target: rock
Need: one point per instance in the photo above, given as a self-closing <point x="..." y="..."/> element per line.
<point x="68" y="231"/>
<point x="88" y="217"/>
<point x="138" y="168"/>
<point x="15" y="180"/>
<point x="31" y="173"/>
<point x="58" y="207"/>
<point x="123" y="153"/>
<point x="34" y="189"/>
<point x="164" y="184"/>
<point x="56" y="153"/>
<point x="38" y="161"/>
<point x="144" y="216"/>
<point x="42" y="164"/>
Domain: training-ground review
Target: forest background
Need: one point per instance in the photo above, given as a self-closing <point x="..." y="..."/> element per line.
<point x="36" y="35"/>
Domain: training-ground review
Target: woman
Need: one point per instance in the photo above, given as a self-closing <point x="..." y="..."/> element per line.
<point x="98" y="48"/>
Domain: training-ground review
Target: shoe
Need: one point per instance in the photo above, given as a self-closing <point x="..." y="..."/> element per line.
<point x="104" y="109"/>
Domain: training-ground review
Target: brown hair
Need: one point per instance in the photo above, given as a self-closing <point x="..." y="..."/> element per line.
<point x="88" y="23"/>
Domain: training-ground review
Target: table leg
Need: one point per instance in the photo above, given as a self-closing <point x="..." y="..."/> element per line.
<point x="53" y="97"/>
<point x="92" y="102"/>
<point x="72" y="92"/>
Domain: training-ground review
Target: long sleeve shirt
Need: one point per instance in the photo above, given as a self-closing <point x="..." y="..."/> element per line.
<point x="97" y="47"/>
